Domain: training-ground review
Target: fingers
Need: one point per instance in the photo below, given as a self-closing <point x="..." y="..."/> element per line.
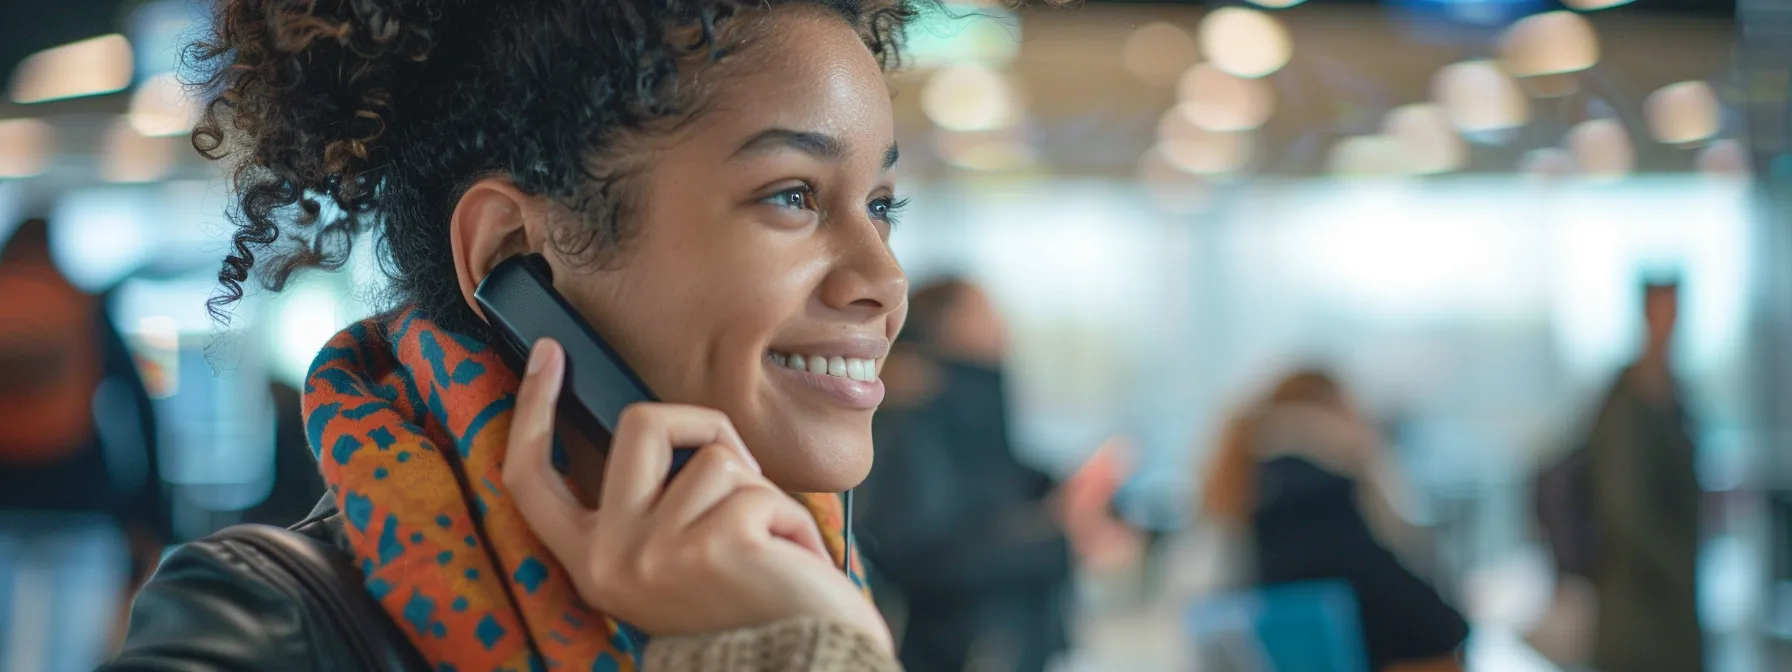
<point x="641" y="451"/>
<point x="711" y="475"/>
<point x="540" y="494"/>
<point x="755" y="508"/>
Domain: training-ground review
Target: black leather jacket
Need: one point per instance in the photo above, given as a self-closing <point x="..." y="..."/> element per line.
<point x="263" y="599"/>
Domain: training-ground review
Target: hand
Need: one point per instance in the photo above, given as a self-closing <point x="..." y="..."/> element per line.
<point x="718" y="548"/>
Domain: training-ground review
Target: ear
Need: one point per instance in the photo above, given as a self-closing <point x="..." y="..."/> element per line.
<point x="493" y="221"/>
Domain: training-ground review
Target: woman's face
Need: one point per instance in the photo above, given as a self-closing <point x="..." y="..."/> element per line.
<point x="760" y="235"/>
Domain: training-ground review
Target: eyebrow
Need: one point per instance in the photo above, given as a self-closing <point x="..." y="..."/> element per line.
<point x="819" y="145"/>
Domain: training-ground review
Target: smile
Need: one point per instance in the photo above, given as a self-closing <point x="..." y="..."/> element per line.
<point x="850" y="368"/>
<point x="848" y="381"/>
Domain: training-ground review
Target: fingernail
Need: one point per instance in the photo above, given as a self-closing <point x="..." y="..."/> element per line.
<point x="536" y="359"/>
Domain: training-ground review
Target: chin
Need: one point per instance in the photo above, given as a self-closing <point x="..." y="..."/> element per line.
<point x="820" y="464"/>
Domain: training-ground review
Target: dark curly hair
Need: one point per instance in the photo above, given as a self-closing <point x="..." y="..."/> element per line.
<point x="344" y="117"/>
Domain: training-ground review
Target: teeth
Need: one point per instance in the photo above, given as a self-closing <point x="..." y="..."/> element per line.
<point x="862" y="370"/>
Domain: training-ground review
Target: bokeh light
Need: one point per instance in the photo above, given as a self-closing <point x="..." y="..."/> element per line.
<point x="1426" y="137"/>
<point x="129" y="156"/>
<point x="1549" y="43"/>
<point x="86" y="68"/>
<point x="1590" y="5"/>
<point x="1158" y="52"/>
<point x="971" y="98"/>
<point x="1369" y="156"/>
<point x="1478" y="97"/>
<point x="1602" y="149"/>
<point x="161" y="107"/>
<point x="1244" y="42"/>
<point x="1195" y="150"/>
<point x="999" y="150"/>
<point x="1683" y="113"/>
<point x="1725" y="157"/>
<point x="1218" y="101"/>
<point x="26" y="146"/>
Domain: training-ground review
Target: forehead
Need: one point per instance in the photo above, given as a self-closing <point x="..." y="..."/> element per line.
<point x="804" y="68"/>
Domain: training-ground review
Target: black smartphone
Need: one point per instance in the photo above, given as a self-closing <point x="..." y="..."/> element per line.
<point x="521" y="304"/>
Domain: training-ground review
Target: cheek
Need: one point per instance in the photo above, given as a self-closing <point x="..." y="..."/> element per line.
<point x="694" y="313"/>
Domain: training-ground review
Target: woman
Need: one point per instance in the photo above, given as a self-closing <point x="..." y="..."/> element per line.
<point x="710" y="182"/>
<point x="1303" y="474"/>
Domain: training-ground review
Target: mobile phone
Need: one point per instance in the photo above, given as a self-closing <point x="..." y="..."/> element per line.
<point x="521" y="304"/>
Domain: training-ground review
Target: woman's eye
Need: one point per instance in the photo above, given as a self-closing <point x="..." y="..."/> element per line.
<point x="886" y="209"/>
<point x="796" y="198"/>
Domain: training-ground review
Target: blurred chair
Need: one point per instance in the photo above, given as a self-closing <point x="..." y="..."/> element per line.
<point x="1295" y="627"/>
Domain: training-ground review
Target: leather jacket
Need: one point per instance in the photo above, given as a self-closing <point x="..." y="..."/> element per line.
<point x="266" y="599"/>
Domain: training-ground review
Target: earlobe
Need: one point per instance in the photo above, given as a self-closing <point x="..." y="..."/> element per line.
<point x="490" y="223"/>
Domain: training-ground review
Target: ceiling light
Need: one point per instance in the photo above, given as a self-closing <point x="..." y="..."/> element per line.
<point x="1244" y="42"/>
<point x="1478" y="97"/>
<point x="1602" y="149"/>
<point x="1195" y="150"/>
<point x="1426" y="138"/>
<point x="1549" y="43"/>
<point x="161" y="107"/>
<point x="129" y="156"/>
<point x="26" y="146"/>
<point x="1725" y="157"/>
<point x="1369" y="156"/>
<point x="1208" y="153"/>
<point x="1218" y="101"/>
<point x="85" y="68"/>
<point x="1590" y="5"/>
<point x="1158" y="53"/>
<point x="1683" y="113"/>
<point x="992" y="151"/>
<point x="1276" y="4"/>
<point x="971" y="98"/>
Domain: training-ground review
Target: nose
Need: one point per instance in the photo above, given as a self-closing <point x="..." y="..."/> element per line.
<point x="866" y="281"/>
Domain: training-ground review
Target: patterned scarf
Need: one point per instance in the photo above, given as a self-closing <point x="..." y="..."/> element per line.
<point x="409" y="424"/>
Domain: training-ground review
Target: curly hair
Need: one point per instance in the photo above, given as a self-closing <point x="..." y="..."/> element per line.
<point x="344" y="117"/>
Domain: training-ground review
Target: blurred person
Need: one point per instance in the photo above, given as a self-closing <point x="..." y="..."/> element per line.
<point x="970" y="539"/>
<point x="297" y="485"/>
<point x="81" y="505"/>
<point x="709" y="181"/>
<point x="1304" y="478"/>
<point x="1645" y="501"/>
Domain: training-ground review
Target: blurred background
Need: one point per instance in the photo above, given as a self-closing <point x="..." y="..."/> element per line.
<point x="1450" y="205"/>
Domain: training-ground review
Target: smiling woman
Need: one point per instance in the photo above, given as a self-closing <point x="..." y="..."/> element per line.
<point x="710" y="183"/>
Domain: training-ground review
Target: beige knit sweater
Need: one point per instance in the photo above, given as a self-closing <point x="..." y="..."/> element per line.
<point x="795" y="645"/>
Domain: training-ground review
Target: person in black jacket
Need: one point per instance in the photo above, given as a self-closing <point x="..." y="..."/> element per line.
<point x="957" y="525"/>
<point x="81" y="497"/>
<point x="1305" y="475"/>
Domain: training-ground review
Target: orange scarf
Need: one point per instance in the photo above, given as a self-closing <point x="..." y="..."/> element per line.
<point x="401" y="413"/>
